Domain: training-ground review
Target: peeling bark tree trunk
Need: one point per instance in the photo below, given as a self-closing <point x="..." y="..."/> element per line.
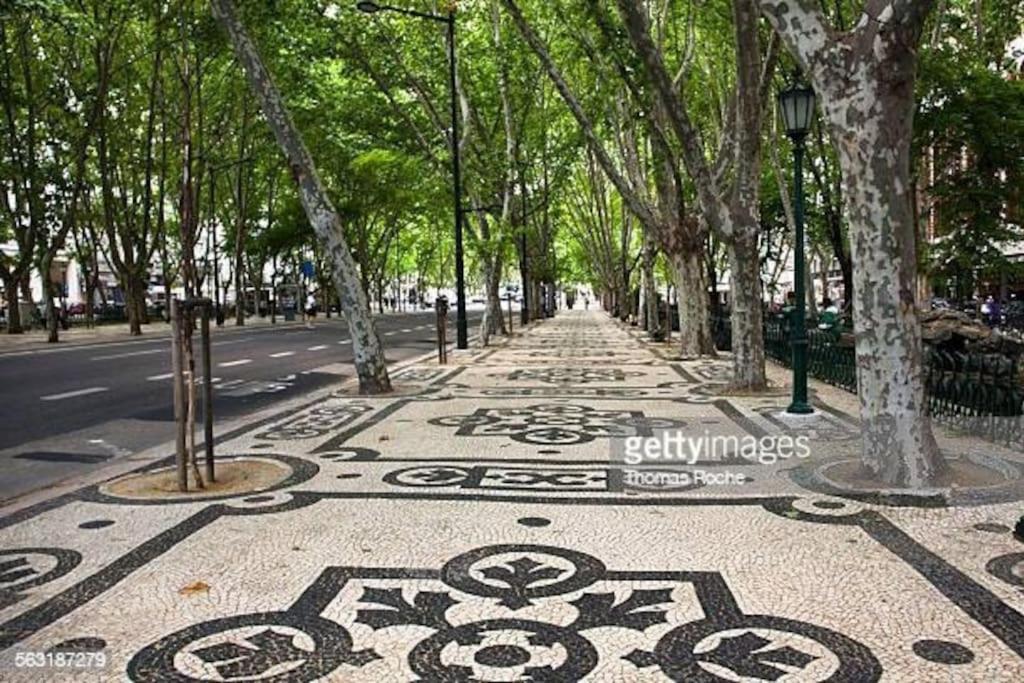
<point x="651" y="316"/>
<point x="890" y="367"/>
<point x="366" y="344"/>
<point x="691" y="291"/>
<point x="493" y="321"/>
<point x="745" y="297"/>
<point x="494" y="313"/>
<point x="865" y="80"/>
<point x="731" y="213"/>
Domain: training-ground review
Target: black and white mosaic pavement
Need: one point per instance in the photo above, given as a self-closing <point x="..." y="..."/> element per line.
<point x="474" y="527"/>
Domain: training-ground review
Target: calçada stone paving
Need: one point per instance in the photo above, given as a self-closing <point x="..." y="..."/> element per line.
<point x="473" y="527"/>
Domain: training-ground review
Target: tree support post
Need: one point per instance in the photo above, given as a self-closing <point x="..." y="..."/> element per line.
<point x="179" y="395"/>
<point x="178" y="321"/>
<point x="207" y="305"/>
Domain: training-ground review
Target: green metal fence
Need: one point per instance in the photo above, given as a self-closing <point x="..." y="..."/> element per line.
<point x="982" y="393"/>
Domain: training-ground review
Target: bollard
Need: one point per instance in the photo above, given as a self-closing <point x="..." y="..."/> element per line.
<point x="668" y="313"/>
<point x="441" y="306"/>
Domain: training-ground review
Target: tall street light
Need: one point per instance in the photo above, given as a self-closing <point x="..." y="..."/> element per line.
<point x="797" y="106"/>
<point x="461" y="325"/>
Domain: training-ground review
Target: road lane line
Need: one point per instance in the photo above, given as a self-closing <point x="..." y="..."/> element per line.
<point x="160" y="378"/>
<point x="233" y="363"/>
<point x="345" y="341"/>
<point x="406" y="331"/>
<point x="231" y="341"/>
<point x="73" y="394"/>
<point x="282" y="354"/>
<point x="129" y="354"/>
<point x="317" y="348"/>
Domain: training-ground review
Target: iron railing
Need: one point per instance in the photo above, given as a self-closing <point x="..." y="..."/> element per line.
<point x="982" y="393"/>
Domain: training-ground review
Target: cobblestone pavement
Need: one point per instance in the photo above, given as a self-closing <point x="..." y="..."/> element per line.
<point x="474" y="527"/>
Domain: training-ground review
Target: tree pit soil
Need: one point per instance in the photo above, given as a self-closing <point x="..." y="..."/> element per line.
<point x="234" y="477"/>
<point x="960" y="473"/>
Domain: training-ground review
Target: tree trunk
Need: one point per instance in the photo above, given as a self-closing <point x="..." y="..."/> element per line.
<point x="695" y="338"/>
<point x="366" y="345"/>
<point x="651" y="315"/>
<point x="625" y="303"/>
<point x="240" y="299"/>
<point x="865" y="79"/>
<point x="899" y="446"/>
<point x="494" y="319"/>
<point x="49" y="310"/>
<point x="538" y="300"/>
<point x="13" y="309"/>
<point x="131" y="305"/>
<point x="745" y="296"/>
<point x="811" y="301"/>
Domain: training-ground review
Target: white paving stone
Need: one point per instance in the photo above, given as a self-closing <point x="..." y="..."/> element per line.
<point x="474" y="525"/>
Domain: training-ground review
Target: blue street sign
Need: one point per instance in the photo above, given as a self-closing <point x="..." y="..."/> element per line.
<point x="307" y="269"/>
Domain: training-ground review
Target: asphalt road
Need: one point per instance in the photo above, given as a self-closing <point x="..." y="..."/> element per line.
<point x="66" y="410"/>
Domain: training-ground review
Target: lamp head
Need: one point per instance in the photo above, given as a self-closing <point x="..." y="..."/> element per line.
<point x="796" y="103"/>
<point x="368" y="6"/>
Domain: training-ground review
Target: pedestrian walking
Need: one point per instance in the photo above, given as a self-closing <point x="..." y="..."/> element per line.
<point x="310" y="310"/>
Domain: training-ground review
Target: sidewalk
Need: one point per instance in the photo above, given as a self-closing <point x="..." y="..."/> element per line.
<point x="474" y="526"/>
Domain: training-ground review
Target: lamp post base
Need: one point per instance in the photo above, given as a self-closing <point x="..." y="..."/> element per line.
<point x="800" y="408"/>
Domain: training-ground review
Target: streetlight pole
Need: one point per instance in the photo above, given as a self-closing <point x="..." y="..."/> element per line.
<point x="797" y="105"/>
<point x="461" y="323"/>
<point x="799" y="404"/>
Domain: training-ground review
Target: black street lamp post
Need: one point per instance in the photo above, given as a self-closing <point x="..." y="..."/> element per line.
<point x="461" y="324"/>
<point x="797" y="106"/>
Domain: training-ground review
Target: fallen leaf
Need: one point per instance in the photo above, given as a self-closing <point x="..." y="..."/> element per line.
<point x="195" y="588"/>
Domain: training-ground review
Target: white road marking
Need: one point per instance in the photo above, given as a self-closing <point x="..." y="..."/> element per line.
<point x="345" y="341"/>
<point x="160" y="378"/>
<point x="406" y="330"/>
<point x="233" y="341"/>
<point x="130" y="354"/>
<point x="388" y="334"/>
<point x="317" y="348"/>
<point x="282" y="354"/>
<point x="72" y="394"/>
<point x="233" y="363"/>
